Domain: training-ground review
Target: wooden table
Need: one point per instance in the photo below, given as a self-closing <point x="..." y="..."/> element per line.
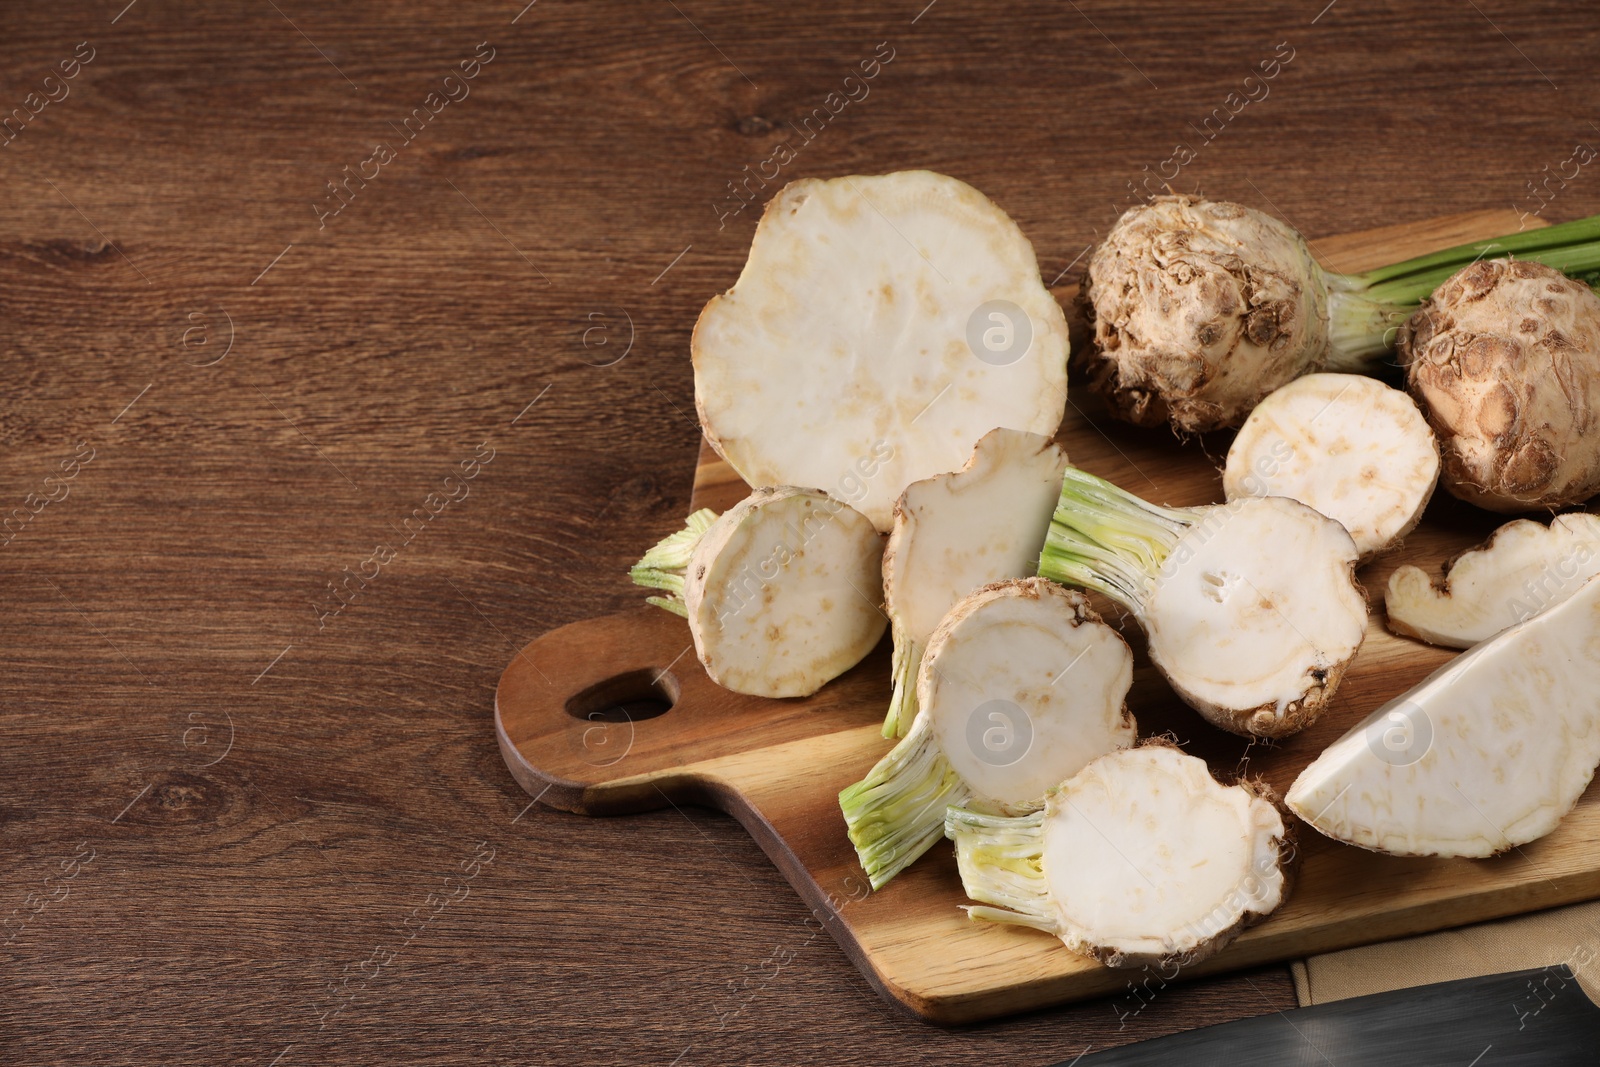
<point x="308" y="464"/>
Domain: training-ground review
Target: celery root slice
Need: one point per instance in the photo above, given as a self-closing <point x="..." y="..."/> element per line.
<point x="1257" y="614"/>
<point x="1021" y="686"/>
<point x="1252" y="608"/>
<point x="1141" y="858"/>
<point x="1488" y="753"/>
<point x="880" y="327"/>
<point x="782" y="592"/>
<point x="1348" y="446"/>
<point x="1520" y="570"/>
<point x="956" y="532"/>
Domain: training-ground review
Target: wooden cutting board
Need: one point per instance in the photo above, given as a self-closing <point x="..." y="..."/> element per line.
<point x="777" y="766"/>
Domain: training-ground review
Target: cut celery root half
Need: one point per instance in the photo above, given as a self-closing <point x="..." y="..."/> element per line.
<point x="956" y="532"/>
<point x="1021" y="686"/>
<point x="1486" y="754"/>
<point x="1256" y="615"/>
<point x="880" y="327"/>
<point x="1142" y="858"/>
<point x="781" y="592"/>
<point x="1348" y="446"/>
<point x="1252" y="608"/>
<point x="1522" y="569"/>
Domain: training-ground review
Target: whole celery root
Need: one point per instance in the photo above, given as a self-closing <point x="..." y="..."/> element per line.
<point x="1505" y="360"/>
<point x="1201" y="308"/>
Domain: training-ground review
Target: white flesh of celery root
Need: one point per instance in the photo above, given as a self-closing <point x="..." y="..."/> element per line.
<point x="841" y="357"/>
<point x="781" y="592"/>
<point x="1521" y="570"/>
<point x="1487" y="754"/>
<point x="1348" y="446"/>
<point x="955" y="532"/>
<point x="1252" y="609"/>
<point x="1140" y="859"/>
<point x="1022" y="684"/>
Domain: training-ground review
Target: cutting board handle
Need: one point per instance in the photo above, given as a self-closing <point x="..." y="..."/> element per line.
<point x="616" y="714"/>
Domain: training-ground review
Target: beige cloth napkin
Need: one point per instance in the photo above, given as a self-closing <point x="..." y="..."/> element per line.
<point x="1569" y="935"/>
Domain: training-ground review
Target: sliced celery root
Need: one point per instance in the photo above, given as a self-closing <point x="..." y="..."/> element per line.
<point x="844" y="355"/>
<point x="1348" y="446"/>
<point x="1141" y="858"/>
<point x="1522" y="569"/>
<point x="1252" y="608"/>
<point x="1488" y="753"/>
<point x="955" y="532"/>
<point x="1022" y="684"/>
<point x="781" y="592"/>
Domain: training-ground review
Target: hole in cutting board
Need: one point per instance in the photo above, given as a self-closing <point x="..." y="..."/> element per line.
<point x="629" y="697"/>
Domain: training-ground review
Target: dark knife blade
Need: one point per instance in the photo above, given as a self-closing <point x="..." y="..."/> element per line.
<point x="1534" y="1018"/>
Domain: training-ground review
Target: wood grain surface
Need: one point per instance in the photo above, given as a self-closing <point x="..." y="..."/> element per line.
<point x="267" y="827"/>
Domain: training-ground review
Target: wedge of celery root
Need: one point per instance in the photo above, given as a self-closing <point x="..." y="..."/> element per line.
<point x="1021" y="685"/>
<point x="1350" y="447"/>
<point x="881" y="325"/>
<point x="1201" y="308"/>
<point x="1486" y="754"/>
<point x="955" y="532"/>
<point x="1252" y="608"/>
<point x="1140" y="859"/>
<point x="1522" y="569"/>
<point x="781" y="592"/>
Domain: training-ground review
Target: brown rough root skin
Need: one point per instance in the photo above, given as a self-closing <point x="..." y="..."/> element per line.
<point x="1504" y="360"/>
<point x="1200" y="309"/>
<point x="1264" y="721"/>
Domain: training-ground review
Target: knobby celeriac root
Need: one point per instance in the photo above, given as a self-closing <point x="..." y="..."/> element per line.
<point x="1201" y="308"/>
<point x="1505" y="360"/>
